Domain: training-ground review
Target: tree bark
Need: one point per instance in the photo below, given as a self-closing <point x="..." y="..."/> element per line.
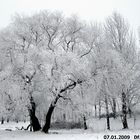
<point x="107" y="114"/>
<point x="124" y="111"/>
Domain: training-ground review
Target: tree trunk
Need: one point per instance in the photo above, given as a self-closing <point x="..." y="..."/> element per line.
<point x="130" y="112"/>
<point x="85" y="124"/>
<point x="7" y="120"/>
<point x="95" y="111"/>
<point x="35" y="123"/>
<point x="32" y="109"/>
<point x="107" y="114"/>
<point x="2" y="120"/>
<point x="46" y="127"/>
<point x="34" y="120"/>
<point x="48" y="119"/>
<point x="64" y="117"/>
<point x="99" y="109"/>
<point x="114" y="108"/>
<point x="124" y="111"/>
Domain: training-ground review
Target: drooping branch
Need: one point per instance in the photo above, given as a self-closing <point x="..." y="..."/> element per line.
<point x="71" y="86"/>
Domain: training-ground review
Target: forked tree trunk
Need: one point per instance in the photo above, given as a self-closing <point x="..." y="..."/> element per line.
<point x="124" y="111"/>
<point x="46" y="127"/>
<point x="107" y="114"/>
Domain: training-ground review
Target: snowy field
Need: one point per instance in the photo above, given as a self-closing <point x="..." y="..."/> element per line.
<point x="62" y="135"/>
<point x="95" y="132"/>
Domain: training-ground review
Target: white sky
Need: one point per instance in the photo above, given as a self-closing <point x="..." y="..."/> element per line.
<point x="89" y="10"/>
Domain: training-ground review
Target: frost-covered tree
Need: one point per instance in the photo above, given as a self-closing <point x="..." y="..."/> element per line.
<point x="38" y="49"/>
<point x="48" y="59"/>
<point x="121" y="39"/>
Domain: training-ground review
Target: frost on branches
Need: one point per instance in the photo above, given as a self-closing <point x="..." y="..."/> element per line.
<point x="55" y="68"/>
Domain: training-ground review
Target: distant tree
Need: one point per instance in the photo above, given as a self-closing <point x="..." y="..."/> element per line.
<point x="121" y="39"/>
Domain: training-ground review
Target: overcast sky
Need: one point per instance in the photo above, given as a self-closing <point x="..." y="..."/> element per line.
<point x="89" y="10"/>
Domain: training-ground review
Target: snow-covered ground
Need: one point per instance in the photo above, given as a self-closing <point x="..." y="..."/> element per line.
<point x="96" y="131"/>
<point x="64" y="135"/>
<point x="100" y="125"/>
